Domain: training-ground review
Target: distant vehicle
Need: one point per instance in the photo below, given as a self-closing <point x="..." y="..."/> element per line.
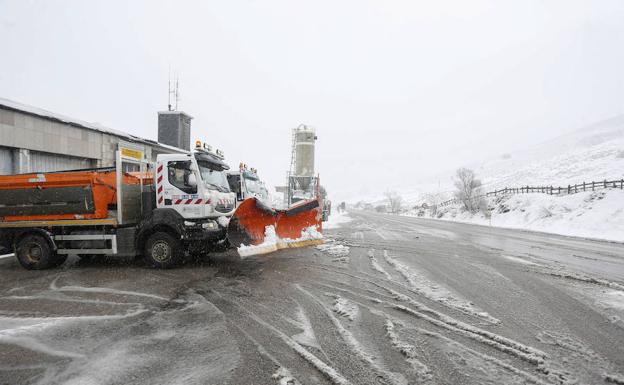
<point x="247" y="184"/>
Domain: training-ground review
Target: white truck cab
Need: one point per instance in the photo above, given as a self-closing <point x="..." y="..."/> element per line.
<point x="195" y="185"/>
<point x="245" y="183"/>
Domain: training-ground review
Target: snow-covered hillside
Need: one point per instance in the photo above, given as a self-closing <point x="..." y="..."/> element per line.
<point x="593" y="153"/>
<point x="598" y="214"/>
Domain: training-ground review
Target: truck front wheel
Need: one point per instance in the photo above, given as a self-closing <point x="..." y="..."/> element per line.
<point x="162" y="250"/>
<point x="35" y="253"/>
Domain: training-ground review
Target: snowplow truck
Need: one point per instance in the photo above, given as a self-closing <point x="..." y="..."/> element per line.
<point x="161" y="211"/>
<point x="246" y="184"/>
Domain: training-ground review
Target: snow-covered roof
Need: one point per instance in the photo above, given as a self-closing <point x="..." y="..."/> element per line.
<point x="174" y="113"/>
<point x="13" y="105"/>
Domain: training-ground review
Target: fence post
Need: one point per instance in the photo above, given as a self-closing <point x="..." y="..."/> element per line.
<point x="583" y="186"/>
<point x="605" y="183"/>
<point x="568" y="189"/>
<point x="622" y="184"/>
<point x="593" y="184"/>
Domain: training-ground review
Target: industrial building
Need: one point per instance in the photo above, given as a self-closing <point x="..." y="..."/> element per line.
<point x="36" y="140"/>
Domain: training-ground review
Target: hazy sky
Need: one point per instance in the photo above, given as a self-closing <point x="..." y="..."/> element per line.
<point x="397" y="90"/>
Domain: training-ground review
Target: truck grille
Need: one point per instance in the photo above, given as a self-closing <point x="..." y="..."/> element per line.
<point x="224" y="207"/>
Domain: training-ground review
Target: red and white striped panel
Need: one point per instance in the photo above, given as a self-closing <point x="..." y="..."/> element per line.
<point x="159" y="186"/>
<point x="191" y="202"/>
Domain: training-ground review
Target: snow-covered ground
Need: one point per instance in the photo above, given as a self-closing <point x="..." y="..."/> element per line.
<point x="598" y="214"/>
<point x="336" y="219"/>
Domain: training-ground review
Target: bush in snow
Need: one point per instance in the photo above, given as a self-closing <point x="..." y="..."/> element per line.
<point x="468" y="190"/>
<point x="381" y="208"/>
<point x="395" y="201"/>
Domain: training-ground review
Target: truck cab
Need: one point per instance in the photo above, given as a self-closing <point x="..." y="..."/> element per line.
<point x="246" y="183"/>
<point x="192" y="190"/>
<point x="195" y="185"/>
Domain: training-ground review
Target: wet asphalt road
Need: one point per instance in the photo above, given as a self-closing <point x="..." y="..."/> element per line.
<point x="388" y="300"/>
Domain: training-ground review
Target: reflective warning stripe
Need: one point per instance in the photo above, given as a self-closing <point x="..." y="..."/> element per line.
<point x="159" y="187"/>
<point x="190" y="201"/>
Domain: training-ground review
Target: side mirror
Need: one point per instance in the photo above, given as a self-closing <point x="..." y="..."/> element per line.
<point x="191" y="180"/>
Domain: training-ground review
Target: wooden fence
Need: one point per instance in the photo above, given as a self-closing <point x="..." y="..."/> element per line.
<point x="551" y="190"/>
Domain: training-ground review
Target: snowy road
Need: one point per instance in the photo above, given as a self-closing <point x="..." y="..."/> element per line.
<point x="389" y="300"/>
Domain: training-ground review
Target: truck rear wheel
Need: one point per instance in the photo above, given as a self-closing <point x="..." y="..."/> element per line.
<point x="35" y="253"/>
<point x="162" y="250"/>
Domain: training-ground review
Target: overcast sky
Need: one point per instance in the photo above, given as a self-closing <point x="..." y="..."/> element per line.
<point x="397" y="90"/>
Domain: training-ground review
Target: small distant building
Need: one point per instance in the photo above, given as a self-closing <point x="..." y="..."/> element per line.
<point x="36" y="140"/>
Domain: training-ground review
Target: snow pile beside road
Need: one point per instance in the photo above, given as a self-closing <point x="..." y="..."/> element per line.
<point x="598" y="214"/>
<point x="337" y="219"/>
<point x="273" y="243"/>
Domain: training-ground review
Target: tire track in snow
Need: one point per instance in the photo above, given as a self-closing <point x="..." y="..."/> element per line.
<point x="423" y="374"/>
<point x="282" y="374"/>
<point x="344" y="307"/>
<point x="486" y="357"/>
<point x="376" y="265"/>
<point x="421" y="285"/>
<point x="329" y="372"/>
<point x="543" y="363"/>
<point x="409" y="352"/>
<point x="103" y="290"/>
<point x="307" y="336"/>
<point x="356" y="347"/>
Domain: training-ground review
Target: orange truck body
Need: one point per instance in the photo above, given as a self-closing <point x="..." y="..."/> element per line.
<point x="101" y="185"/>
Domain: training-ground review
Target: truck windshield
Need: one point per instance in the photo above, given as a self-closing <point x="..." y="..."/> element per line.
<point x="253" y="185"/>
<point x="214" y="179"/>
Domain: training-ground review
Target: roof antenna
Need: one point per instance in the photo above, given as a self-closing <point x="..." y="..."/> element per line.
<point x="177" y="92"/>
<point x="169" y="90"/>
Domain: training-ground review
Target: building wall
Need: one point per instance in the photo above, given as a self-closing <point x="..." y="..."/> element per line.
<point x="6" y="160"/>
<point x="20" y="130"/>
<point x="43" y="162"/>
<point x="30" y="143"/>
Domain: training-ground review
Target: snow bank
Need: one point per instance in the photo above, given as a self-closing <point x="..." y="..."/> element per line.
<point x="598" y="214"/>
<point x="337" y="219"/>
<point x="273" y="243"/>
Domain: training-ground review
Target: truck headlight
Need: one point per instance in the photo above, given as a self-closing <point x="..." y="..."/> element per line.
<point x="212" y="225"/>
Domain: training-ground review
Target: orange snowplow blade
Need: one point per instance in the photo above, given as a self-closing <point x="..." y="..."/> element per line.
<point x="250" y="220"/>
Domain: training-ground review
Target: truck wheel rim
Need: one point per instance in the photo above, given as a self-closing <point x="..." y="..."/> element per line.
<point x="161" y="251"/>
<point x="33" y="252"/>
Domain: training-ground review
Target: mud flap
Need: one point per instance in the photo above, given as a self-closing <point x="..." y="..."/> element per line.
<point x="250" y="220"/>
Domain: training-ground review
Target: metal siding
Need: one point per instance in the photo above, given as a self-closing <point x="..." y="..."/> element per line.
<point x="6" y="161"/>
<point x="42" y="162"/>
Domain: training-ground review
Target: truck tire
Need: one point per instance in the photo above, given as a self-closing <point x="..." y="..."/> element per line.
<point x="35" y="253"/>
<point x="162" y="250"/>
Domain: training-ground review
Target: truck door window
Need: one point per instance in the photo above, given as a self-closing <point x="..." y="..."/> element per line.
<point x="179" y="172"/>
